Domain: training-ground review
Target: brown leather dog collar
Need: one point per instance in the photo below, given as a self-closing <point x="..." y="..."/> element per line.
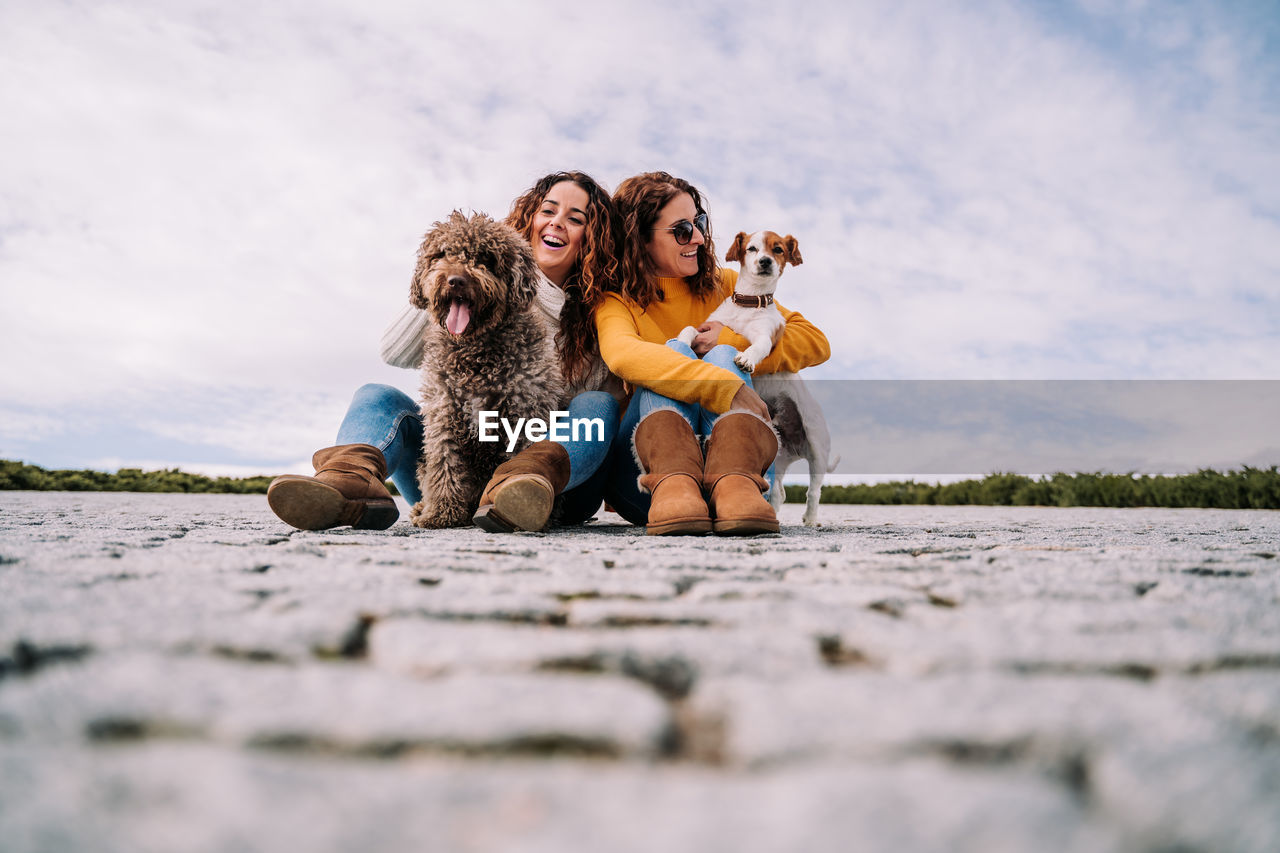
<point x="763" y="300"/>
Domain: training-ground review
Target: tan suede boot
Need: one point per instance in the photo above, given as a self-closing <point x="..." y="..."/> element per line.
<point x="671" y="461"/>
<point x="348" y="488"/>
<point x="740" y="449"/>
<point x="523" y="489"/>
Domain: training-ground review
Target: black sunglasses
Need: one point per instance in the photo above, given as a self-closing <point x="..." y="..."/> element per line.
<point x="683" y="230"/>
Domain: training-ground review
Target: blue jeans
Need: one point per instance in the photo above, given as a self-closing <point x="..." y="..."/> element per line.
<point x="622" y="490"/>
<point x="389" y="419"/>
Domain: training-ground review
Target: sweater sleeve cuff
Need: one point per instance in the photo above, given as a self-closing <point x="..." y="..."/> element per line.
<point x="723" y="397"/>
<point x="402" y="341"/>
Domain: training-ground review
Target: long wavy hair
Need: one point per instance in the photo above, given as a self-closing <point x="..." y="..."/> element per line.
<point x="638" y="201"/>
<point x="595" y="268"/>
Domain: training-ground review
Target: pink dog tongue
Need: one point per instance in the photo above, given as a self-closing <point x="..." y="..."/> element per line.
<point x="459" y="317"/>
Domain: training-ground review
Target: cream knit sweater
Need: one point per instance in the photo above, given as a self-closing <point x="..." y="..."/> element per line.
<point x="402" y="341"/>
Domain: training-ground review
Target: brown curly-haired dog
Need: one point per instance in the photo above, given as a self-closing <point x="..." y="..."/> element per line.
<point x="485" y="352"/>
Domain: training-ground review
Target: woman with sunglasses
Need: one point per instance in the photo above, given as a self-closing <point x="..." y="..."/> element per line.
<point x="668" y="278"/>
<point x="568" y="219"/>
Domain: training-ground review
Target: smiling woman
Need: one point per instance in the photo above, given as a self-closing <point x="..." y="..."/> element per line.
<point x="669" y="279"/>
<point x="569" y="221"/>
<point x="558" y="229"/>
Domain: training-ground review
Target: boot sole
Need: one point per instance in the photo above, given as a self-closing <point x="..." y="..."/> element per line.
<point x="518" y="504"/>
<point x="307" y="504"/>
<point x="680" y="527"/>
<point x="745" y="526"/>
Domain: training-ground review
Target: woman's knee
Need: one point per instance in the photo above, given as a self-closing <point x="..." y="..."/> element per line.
<point x="375" y="394"/>
<point x="682" y="348"/>
<point x="380" y="415"/>
<point x="721" y="355"/>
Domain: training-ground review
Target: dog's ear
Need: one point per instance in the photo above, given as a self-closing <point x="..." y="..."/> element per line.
<point x="739" y="248"/>
<point x="418" y="287"/>
<point x="793" y="250"/>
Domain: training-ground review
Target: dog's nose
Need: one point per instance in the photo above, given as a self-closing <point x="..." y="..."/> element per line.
<point x="458" y="282"/>
<point x="765" y="263"/>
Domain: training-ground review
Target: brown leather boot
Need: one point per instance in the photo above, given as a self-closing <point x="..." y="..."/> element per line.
<point x="740" y="449"/>
<point x="523" y="489"/>
<point x="671" y="461"/>
<point x="348" y="488"/>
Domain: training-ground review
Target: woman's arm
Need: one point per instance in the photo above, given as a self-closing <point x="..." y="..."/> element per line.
<point x="646" y="364"/>
<point x="402" y="341"/>
<point x="801" y="345"/>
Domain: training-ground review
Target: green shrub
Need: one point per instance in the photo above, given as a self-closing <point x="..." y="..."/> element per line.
<point x="18" y="475"/>
<point x="1249" y="488"/>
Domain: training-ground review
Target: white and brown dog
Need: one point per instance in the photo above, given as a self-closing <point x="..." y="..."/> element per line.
<point x="797" y="417"/>
<point x="750" y="310"/>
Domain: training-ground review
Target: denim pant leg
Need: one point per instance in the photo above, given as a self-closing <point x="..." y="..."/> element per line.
<point x="622" y="489"/>
<point x="723" y="356"/>
<point x="389" y="419"/>
<point x="583" y="500"/>
<point x="588" y="455"/>
<point x="587" y="451"/>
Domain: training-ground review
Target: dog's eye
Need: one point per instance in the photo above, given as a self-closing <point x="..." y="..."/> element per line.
<point x="777" y="250"/>
<point x="752" y="249"/>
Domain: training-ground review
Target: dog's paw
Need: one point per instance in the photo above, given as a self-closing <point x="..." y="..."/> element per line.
<point x="431" y="521"/>
<point x="687" y="335"/>
<point x="745" y="361"/>
<point x="420" y="516"/>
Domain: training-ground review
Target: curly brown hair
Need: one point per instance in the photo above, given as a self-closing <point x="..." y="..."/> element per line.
<point x="638" y="201"/>
<point x="586" y="283"/>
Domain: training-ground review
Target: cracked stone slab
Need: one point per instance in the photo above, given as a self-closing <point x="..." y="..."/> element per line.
<point x="864" y="714"/>
<point x="916" y="678"/>
<point x="1165" y="772"/>
<point x="338" y="707"/>
<point x="195" y="797"/>
<point x="429" y="647"/>
<point x="1138" y="638"/>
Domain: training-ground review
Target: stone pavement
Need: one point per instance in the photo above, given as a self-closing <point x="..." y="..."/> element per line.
<point x="185" y="673"/>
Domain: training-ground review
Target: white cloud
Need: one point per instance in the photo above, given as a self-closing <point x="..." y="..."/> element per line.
<point x="202" y="198"/>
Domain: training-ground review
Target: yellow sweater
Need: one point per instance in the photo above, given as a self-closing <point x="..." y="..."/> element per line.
<point x="633" y="344"/>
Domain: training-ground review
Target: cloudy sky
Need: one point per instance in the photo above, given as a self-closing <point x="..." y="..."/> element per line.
<point x="209" y="211"/>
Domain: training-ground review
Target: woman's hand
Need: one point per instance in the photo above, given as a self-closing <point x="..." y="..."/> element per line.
<point x="748" y="400"/>
<point x="707" y="337"/>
